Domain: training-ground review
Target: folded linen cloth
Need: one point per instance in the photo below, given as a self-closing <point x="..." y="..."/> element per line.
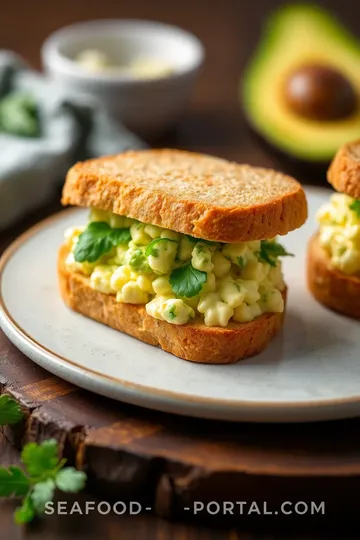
<point x="69" y="130"/>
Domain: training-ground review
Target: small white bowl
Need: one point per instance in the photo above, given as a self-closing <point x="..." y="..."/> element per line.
<point x="146" y="106"/>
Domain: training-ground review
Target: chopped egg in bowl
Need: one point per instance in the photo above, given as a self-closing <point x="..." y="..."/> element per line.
<point x="141" y="72"/>
<point x="96" y="61"/>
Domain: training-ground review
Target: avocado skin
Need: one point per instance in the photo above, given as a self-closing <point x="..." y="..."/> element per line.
<point x="306" y="155"/>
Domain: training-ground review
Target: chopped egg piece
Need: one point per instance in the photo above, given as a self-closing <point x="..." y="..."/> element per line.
<point x="339" y="232"/>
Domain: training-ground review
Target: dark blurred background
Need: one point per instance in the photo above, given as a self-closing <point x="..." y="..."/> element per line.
<point x="229" y="29"/>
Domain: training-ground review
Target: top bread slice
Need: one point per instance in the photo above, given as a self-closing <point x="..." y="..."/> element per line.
<point x="190" y="193"/>
<point x="344" y="171"/>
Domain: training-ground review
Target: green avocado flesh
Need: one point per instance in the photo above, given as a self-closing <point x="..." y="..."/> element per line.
<point x="296" y="36"/>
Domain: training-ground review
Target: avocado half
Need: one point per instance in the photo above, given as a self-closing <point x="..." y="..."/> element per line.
<point x="297" y="36"/>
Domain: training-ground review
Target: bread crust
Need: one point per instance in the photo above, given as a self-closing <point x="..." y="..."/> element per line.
<point x="332" y="288"/>
<point x="195" y="342"/>
<point x="344" y="171"/>
<point x="190" y="193"/>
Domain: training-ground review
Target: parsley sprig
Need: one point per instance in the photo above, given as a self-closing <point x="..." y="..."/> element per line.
<point x="270" y="251"/>
<point x="97" y="240"/>
<point x="355" y="206"/>
<point x="187" y="281"/>
<point x="44" y="473"/>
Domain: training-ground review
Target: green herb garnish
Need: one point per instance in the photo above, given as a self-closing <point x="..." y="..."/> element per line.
<point x="99" y="238"/>
<point x="43" y="473"/>
<point x="355" y="206"/>
<point x="172" y="314"/>
<point x="241" y="261"/>
<point x="13" y="481"/>
<point x="151" y="248"/>
<point x="10" y="410"/>
<point x="187" y="281"/>
<point x="270" y="251"/>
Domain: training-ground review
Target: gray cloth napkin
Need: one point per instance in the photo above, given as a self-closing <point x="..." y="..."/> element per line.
<point x="71" y="130"/>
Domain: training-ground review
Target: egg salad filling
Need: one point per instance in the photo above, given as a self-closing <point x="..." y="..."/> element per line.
<point x="339" y="233"/>
<point x="177" y="277"/>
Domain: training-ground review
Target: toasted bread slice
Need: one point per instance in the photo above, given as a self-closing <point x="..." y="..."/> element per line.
<point x="195" y="342"/>
<point x="190" y="193"/>
<point x="344" y="171"/>
<point x="329" y="286"/>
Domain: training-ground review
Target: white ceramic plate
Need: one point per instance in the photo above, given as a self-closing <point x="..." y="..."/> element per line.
<point x="310" y="372"/>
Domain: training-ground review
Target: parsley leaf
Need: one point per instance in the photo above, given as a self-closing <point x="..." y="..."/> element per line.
<point x="45" y="474"/>
<point x="10" y="410"/>
<point x="13" y="481"/>
<point x="42" y="493"/>
<point x="70" y="480"/>
<point x="270" y="251"/>
<point x="151" y="248"/>
<point x="97" y="240"/>
<point x="187" y="281"/>
<point x="25" y="512"/>
<point x="40" y="458"/>
<point x="355" y="205"/>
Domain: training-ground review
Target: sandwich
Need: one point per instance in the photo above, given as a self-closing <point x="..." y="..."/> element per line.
<point x="333" y="266"/>
<point x="180" y="250"/>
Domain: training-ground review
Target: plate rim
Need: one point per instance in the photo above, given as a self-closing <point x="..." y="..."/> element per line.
<point x="157" y="396"/>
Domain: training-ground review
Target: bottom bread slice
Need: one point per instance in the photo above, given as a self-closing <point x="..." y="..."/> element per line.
<point x="331" y="287"/>
<point x="195" y="342"/>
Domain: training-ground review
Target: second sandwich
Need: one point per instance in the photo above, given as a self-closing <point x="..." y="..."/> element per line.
<point x="334" y="251"/>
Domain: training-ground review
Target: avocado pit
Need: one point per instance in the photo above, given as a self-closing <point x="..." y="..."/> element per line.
<point x="319" y="93"/>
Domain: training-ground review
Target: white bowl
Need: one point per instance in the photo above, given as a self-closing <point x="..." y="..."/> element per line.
<point x="146" y="106"/>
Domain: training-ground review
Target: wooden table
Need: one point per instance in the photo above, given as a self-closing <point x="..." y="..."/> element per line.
<point x="213" y="123"/>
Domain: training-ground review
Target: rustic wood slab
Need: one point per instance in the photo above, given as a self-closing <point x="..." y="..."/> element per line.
<point x="168" y="461"/>
<point x="94" y="526"/>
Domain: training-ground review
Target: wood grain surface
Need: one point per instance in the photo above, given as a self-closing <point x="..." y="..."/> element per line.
<point x="166" y="461"/>
<point x="95" y="527"/>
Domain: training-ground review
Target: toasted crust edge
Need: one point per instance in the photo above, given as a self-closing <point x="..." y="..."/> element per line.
<point x="194" y="342"/>
<point x="83" y="187"/>
<point x="344" y="171"/>
<point x="328" y="285"/>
